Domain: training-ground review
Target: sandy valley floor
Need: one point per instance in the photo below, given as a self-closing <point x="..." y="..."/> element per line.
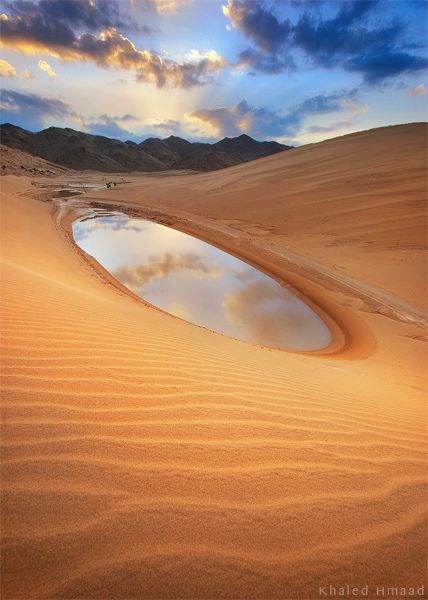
<point x="144" y="457"/>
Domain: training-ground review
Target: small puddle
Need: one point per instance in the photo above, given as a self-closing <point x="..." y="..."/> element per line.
<point x="198" y="282"/>
<point x="66" y="193"/>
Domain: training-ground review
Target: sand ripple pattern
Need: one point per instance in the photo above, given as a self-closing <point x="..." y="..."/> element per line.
<point x="147" y="458"/>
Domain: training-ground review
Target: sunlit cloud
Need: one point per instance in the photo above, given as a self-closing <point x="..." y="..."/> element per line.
<point x="26" y="74"/>
<point x="44" y="66"/>
<point x="165" y="6"/>
<point x="261" y="122"/>
<point x="195" y="56"/>
<point x="6" y="69"/>
<point x="419" y="90"/>
<point x="31" y="32"/>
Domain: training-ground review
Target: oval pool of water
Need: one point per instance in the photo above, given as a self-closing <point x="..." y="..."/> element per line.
<point x="198" y="282"/>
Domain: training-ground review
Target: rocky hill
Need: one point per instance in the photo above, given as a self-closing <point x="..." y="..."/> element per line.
<point x="82" y="151"/>
<point x="16" y="162"/>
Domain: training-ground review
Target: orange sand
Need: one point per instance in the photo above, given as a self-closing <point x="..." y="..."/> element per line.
<point x="144" y="457"/>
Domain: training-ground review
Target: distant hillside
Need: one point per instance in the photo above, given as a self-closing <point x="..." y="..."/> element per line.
<point x="16" y="162"/>
<point x="81" y="151"/>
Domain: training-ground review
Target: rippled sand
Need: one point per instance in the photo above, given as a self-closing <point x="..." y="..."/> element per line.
<point x="144" y="457"/>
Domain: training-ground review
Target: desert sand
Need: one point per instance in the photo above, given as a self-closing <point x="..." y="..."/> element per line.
<point x="145" y="457"/>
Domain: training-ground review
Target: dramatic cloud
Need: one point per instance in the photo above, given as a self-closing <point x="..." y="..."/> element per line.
<point x="344" y="41"/>
<point x="262" y="122"/>
<point x="378" y="66"/>
<point x="44" y="66"/>
<point x="88" y="14"/>
<point x="258" y="24"/>
<point x="6" y="69"/>
<point x="31" y="28"/>
<point x="419" y="90"/>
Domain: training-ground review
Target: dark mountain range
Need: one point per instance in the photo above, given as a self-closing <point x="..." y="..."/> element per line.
<point x="81" y="151"/>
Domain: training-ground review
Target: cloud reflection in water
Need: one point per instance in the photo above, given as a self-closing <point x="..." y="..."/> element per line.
<point x="194" y="280"/>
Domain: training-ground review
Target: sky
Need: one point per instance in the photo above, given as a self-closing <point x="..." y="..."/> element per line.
<point x="288" y="70"/>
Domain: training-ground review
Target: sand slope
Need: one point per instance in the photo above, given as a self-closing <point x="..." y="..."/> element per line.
<point x="144" y="457"/>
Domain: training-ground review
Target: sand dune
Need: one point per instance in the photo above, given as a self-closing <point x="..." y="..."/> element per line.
<point x="144" y="457"/>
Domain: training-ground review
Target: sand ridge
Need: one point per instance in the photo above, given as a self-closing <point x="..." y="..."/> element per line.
<point x="144" y="457"/>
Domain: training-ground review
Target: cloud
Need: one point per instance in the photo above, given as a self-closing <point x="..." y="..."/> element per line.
<point x="273" y="316"/>
<point x="260" y="25"/>
<point x="262" y="122"/>
<point x="122" y="119"/>
<point x="159" y="6"/>
<point x="111" y="130"/>
<point x="195" y="56"/>
<point x="44" y="66"/>
<point x="6" y="69"/>
<point x="165" y="6"/>
<point x="225" y="121"/>
<point x="31" y="29"/>
<point x="419" y="90"/>
<point x="162" y="128"/>
<point x="108" y="126"/>
<point x="31" y="110"/>
<point x="91" y="224"/>
<point x="355" y="108"/>
<point x="34" y="112"/>
<point x="339" y="125"/>
<point x="88" y="14"/>
<point x="267" y="63"/>
<point x="167" y="125"/>
<point x="379" y="66"/>
<point x="137" y="277"/>
<point x="342" y="41"/>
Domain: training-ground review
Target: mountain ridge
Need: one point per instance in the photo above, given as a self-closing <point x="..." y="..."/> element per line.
<point x="78" y="150"/>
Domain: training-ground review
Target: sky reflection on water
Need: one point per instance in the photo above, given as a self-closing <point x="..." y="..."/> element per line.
<point x="200" y="283"/>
